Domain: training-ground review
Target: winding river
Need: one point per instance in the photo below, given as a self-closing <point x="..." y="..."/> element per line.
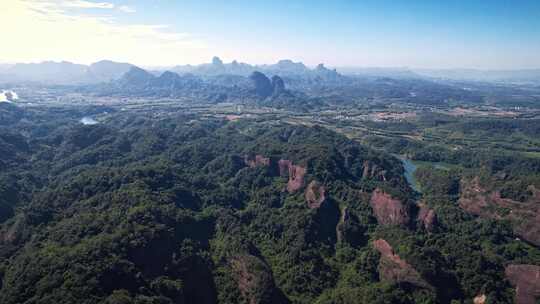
<point x="410" y="167"/>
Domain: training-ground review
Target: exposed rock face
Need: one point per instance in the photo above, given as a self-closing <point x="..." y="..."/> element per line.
<point x="373" y="171"/>
<point x="339" y="227"/>
<point x="480" y="299"/>
<point x="296" y="174"/>
<point x="263" y="86"/>
<point x="284" y="165"/>
<point x="12" y="234"/>
<point x="254" y="280"/>
<point x="394" y="269"/>
<point x="257" y="160"/>
<point x="315" y="195"/>
<point x="524" y="216"/>
<point x="388" y="211"/>
<point x="427" y="217"/>
<point x="278" y="85"/>
<point x="526" y="280"/>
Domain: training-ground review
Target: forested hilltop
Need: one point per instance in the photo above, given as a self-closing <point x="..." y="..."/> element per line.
<point x="142" y="207"/>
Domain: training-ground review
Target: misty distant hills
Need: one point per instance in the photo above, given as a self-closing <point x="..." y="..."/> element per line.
<point x="67" y="73"/>
<point x="379" y="72"/>
<point x="50" y="72"/>
<point x="286" y="67"/>
<point x="512" y="76"/>
<point x="138" y="81"/>
<point x="296" y="73"/>
<point x="107" y="70"/>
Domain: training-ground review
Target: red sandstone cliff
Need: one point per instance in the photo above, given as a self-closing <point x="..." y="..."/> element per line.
<point x="387" y="210"/>
<point x="394" y="269"/>
<point x="257" y="160"/>
<point x="296" y="174"/>
<point x="371" y="170"/>
<point x="526" y="280"/>
<point x="427" y="217"/>
<point x="315" y="195"/>
<point x="254" y="279"/>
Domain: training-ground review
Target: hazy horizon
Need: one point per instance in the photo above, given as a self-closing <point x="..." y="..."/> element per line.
<point x="418" y="34"/>
<point x="311" y="66"/>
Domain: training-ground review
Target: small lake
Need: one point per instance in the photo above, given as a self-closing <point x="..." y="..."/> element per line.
<point x="410" y="168"/>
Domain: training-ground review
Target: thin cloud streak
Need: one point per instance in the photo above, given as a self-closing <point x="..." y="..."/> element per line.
<point x="48" y="30"/>
<point x="127" y="9"/>
<point x="88" y="4"/>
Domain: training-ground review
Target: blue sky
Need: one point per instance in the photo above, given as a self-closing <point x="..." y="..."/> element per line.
<point x="492" y="34"/>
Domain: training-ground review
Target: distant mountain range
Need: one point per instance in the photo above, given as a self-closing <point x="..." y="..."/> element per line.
<point x="284" y="67"/>
<point x="64" y="72"/>
<point x="67" y="73"/>
<point x="139" y="82"/>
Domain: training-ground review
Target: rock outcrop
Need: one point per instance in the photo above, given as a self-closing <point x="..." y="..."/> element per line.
<point x="263" y="86"/>
<point x="524" y="216"/>
<point x="340" y="226"/>
<point x="427" y="218"/>
<point x="480" y="299"/>
<point x="13" y="233"/>
<point x="284" y="165"/>
<point x="278" y="85"/>
<point x="257" y="160"/>
<point x="255" y="280"/>
<point x="394" y="269"/>
<point x="526" y="280"/>
<point x="296" y="174"/>
<point x="388" y="210"/>
<point x="315" y="196"/>
<point x="371" y="170"/>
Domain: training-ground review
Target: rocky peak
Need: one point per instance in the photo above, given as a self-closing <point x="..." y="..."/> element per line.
<point x="217" y="61"/>
<point x="168" y="78"/>
<point x="137" y="77"/>
<point x="263" y="85"/>
<point x="278" y="85"/>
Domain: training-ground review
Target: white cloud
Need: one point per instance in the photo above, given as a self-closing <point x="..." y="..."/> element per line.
<point x="127" y="9"/>
<point x="87" y="4"/>
<point x="48" y="30"/>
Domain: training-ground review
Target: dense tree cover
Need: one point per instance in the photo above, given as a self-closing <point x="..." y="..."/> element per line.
<point x="140" y="209"/>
